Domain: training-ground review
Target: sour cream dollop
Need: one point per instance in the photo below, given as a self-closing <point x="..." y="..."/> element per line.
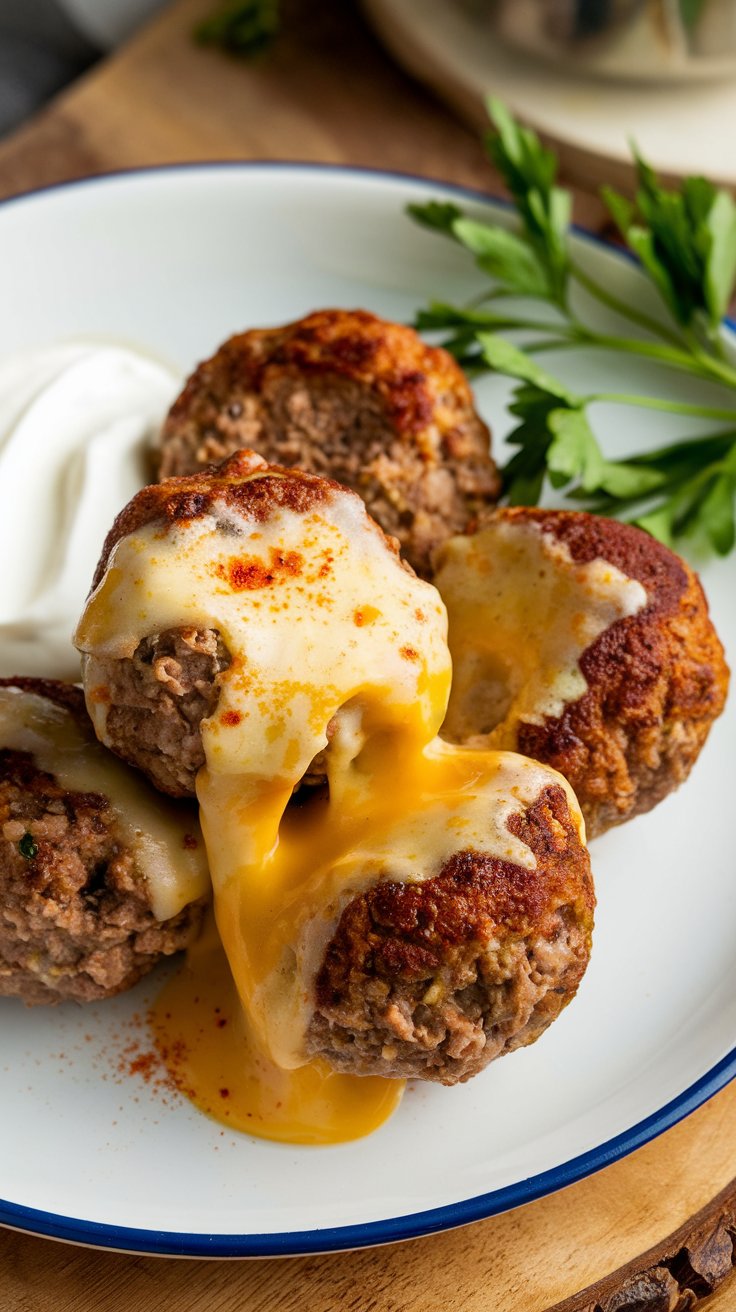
<point x="76" y="422"/>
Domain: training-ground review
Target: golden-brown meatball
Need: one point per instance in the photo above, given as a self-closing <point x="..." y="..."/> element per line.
<point x="434" y="979"/>
<point x="77" y="917"/>
<point x="586" y="644"/>
<point x="148" y="706"/>
<point x="353" y="397"/>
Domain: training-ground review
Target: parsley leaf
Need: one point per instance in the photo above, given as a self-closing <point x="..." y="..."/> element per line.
<point x="686" y="242"/>
<point x="529" y="171"/>
<point x="242" y="27"/>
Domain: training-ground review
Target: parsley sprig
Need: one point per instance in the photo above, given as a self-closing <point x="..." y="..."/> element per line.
<point x="242" y="27"/>
<point x="686" y="243"/>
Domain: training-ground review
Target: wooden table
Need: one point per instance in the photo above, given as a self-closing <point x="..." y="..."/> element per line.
<point x="634" y="1236"/>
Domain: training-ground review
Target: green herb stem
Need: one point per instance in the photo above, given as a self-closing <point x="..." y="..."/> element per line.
<point x="577" y="335"/>
<point x="700" y="364"/>
<point x="718" y="369"/>
<point x="659" y="403"/>
<point x="608" y="299"/>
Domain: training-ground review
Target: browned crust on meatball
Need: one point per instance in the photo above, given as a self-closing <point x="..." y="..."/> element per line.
<point x="75" y="916"/>
<point x="656" y="680"/>
<point x="344" y="393"/>
<point x="230" y="485"/>
<point x="435" y="979"/>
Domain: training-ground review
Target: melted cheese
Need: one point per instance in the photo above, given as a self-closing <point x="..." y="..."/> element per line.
<point x="521" y="613"/>
<point x="336" y="649"/>
<point x="201" y="1031"/>
<point x="163" y="836"/>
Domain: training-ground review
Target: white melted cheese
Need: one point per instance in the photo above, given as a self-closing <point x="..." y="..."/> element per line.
<point x="325" y="628"/>
<point x="521" y="613"/>
<point x="164" y="837"/>
<point x="75" y="423"/>
<point x="314" y="610"/>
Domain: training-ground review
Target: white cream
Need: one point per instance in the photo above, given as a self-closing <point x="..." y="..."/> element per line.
<point x="76" y="420"/>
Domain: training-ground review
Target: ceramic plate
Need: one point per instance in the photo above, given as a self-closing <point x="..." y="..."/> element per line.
<point x="92" y="1147"/>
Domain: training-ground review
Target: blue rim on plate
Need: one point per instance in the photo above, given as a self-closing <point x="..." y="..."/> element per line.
<point x="373" y="1233"/>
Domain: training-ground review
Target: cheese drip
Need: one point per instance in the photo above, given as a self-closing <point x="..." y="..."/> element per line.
<point x="335" y="649"/>
<point x="163" y="836"/>
<point x="521" y="613"/>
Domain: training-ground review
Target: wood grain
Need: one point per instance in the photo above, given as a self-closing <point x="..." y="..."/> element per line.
<point x="329" y="93"/>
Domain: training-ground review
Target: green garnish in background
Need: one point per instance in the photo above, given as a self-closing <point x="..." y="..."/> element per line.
<point x="690" y="11"/>
<point x="686" y="242"/>
<point x="243" y="27"/>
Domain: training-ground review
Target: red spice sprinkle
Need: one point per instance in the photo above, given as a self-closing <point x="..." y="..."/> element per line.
<point x="144" y="1064"/>
<point x="409" y="653"/>
<point x="247" y="573"/>
<point x="224" y="1093"/>
<point x="230" y="718"/>
<point x="190" y="842"/>
<point x="220" y="1022"/>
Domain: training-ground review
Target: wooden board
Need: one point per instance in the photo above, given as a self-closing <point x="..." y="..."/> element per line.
<point x="328" y="92"/>
<point x="525" y="1261"/>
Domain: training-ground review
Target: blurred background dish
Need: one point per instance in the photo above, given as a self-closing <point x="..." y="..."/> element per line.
<point x="609" y="73"/>
<point x="633" y="40"/>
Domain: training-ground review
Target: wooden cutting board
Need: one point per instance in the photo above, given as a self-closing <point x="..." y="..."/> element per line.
<point x="629" y="1239"/>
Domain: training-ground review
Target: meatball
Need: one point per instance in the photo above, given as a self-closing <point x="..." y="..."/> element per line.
<point x="351" y="396"/>
<point x="608" y="669"/>
<point x="432" y="906"/>
<point x="77" y="917"/>
<point x="433" y="980"/>
<point x="148" y="698"/>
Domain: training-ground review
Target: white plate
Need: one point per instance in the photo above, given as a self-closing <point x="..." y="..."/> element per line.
<point x="178" y="259"/>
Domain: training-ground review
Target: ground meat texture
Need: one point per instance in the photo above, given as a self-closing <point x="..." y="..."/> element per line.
<point x="158" y="699"/>
<point x="433" y="980"/>
<point x="75" y="918"/>
<point x="350" y="396"/>
<point x="656" y="680"/>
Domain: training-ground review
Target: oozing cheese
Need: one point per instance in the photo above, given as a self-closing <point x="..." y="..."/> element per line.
<point x="202" y="1031"/>
<point x="335" y="648"/>
<point x="521" y="613"/>
<point x="163" y="836"/>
